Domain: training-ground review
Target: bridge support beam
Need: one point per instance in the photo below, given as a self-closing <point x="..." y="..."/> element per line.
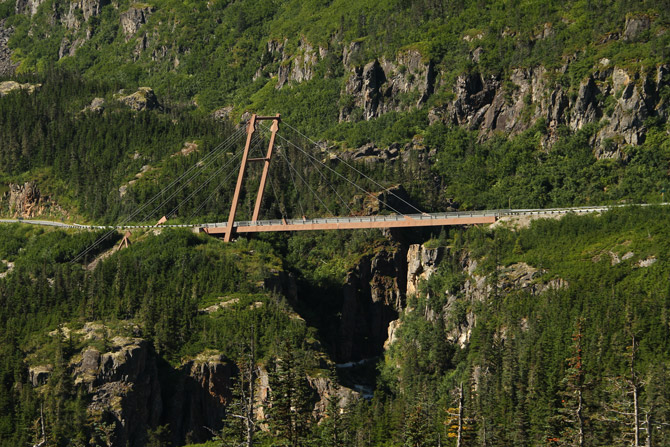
<point x="251" y="128"/>
<point x="266" y="169"/>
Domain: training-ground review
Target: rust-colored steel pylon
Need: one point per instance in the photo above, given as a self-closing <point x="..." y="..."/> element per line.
<point x="125" y="242"/>
<point x="251" y="128"/>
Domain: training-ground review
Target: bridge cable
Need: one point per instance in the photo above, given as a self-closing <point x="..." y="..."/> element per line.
<point x="208" y="180"/>
<point x="223" y="181"/>
<point x="186" y="183"/>
<point x="280" y="205"/>
<point x="346" y="205"/>
<point x="284" y="123"/>
<point x="254" y="147"/>
<point x="270" y="178"/>
<point x="346" y="179"/>
<point x="295" y="186"/>
<point x="223" y="146"/>
<point x="226" y="143"/>
<point x="215" y="190"/>
<point x="303" y="180"/>
<point x="205" y="183"/>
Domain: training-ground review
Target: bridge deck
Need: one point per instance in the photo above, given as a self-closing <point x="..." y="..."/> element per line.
<point x="345" y="223"/>
<point x="355" y="223"/>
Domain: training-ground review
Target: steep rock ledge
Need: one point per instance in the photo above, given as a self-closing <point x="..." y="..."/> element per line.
<point x="124" y="386"/>
<point x="424" y="262"/>
<point x="617" y="100"/>
<point x="133" y="18"/>
<point x="374" y="294"/>
<point x="196" y="401"/>
<point x="7" y="68"/>
<point x="26" y="201"/>
<point x="383" y="86"/>
<point x="132" y="389"/>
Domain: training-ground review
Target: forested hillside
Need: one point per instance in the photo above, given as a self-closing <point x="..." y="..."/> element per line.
<point x="550" y="332"/>
<point x="546" y="332"/>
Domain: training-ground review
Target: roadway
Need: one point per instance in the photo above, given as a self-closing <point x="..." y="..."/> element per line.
<point x="342" y="223"/>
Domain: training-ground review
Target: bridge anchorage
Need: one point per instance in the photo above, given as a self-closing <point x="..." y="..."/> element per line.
<point x="398" y="220"/>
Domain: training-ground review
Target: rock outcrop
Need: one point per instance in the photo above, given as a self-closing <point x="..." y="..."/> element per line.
<point x="635" y="25"/>
<point x="299" y="67"/>
<point x="74" y="17"/>
<point x="374" y="293"/>
<point x="7" y="67"/>
<point x="143" y="99"/>
<point x="422" y="262"/>
<point x="124" y="387"/>
<point x="79" y="11"/>
<point x="8" y="87"/>
<point x="27" y="7"/>
<point x="326" y="390"/>
<point x="133" y="19"/>
<point x="25" y="200"/>
<point x="197" y="401"/>
<point x="8" y="266"/>
<point x="131" y="389"/>
<point x="457" y="310"/>
<point x="394" y="199"/>
<point x="618" y="101"/>
<point x="97" y="106"/>
<point x="381" y="86"/>
<point x="372" y="88"/>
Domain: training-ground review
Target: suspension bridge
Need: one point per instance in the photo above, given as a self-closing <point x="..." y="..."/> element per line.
<point x="320" y="160"/>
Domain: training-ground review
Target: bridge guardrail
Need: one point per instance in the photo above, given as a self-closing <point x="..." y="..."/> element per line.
<point x="335" y="220"/>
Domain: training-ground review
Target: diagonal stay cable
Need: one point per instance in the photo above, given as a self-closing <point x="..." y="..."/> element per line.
<point x="281" y="205"/>
<point x="295" y="187"/>
<point x="304" y="181"/>
<point x="346" y="205"/>
<point x="202" y="205"/>
<point x="205" y="183"/>
<point x="208" y="180"/>
<point x="254" y="146"/>
<point x="350" y="166"/>
<point x="186" y="183"/>
<point x="222" y="146"/>
<point x="333" y="170"/>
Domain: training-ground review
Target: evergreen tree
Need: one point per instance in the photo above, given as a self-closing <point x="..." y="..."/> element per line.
<point x="290" y="412"/>
<point x="574" y="416"/>
<point x="241" y="424"/>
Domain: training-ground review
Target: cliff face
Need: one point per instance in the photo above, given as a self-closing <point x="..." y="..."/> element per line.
<point x="617" y="100"/>
<point x="133" y="390"/>
<point x="27" y="201"/>
<point x="378" y="289"/>
<point x="382" y="86"/>
<point x="196" y="401"/>
<point x="124" y="386"/>
<point x="374" y="293"/>
<point x="7" y="67"/>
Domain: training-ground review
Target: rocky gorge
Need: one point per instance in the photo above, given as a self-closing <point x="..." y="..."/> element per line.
<point x="133" y="391"/>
